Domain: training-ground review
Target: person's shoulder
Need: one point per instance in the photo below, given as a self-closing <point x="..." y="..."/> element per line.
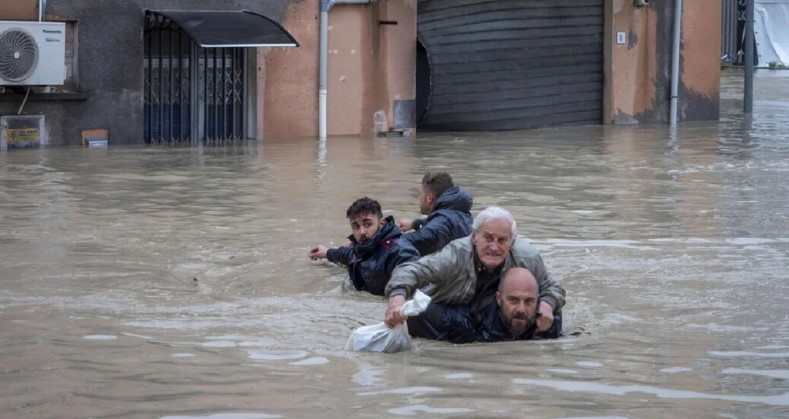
<point x="523" y="247"/>
<point x="461" y="246"/>
<point x="458" y="249"/>
<point x="461" y="243"/>
<point x="455" y="199"/>
<point x="438" y="216"/>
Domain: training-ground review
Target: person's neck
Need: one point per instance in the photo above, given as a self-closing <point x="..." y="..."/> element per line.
<point x="479" y="267"/>
<point x="494" y="269"/>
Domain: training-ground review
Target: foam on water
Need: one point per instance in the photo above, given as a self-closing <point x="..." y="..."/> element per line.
<point x="99" y="337"/>
<point x="227" y="416"/>
<point x="421" y="408"/>
<point x="781" y="399"/>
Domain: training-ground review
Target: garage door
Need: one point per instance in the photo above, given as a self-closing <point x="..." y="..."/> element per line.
<point x="512" y="64"/>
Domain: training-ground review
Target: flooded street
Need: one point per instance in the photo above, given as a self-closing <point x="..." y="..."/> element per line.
<point x="174" y="282"/>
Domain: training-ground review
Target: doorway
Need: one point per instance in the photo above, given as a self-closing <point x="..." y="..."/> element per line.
<point x="422" y="82"/>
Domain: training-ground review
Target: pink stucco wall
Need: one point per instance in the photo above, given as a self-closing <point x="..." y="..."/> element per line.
<point x="370" y="65"/>
<point x="637" y="73"/>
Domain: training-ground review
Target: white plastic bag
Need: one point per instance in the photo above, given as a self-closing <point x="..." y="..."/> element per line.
<point x="379" y="338"/>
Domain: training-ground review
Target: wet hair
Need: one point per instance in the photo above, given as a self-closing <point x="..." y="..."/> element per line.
<point x="437" y="182"/>
<point x="364" y="206"/>
<point x="494" y="213"/>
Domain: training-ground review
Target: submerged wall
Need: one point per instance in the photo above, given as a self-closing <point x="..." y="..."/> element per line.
<point x="372" y="56"/>
<point x="107" y="87"/>
<point x="372" y="51"/>
<point x="638" y="72"/>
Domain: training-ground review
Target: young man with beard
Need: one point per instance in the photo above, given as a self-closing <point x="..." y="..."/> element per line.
<point x="376" y="247"/>
<point x="448" y="210"/>
<point x="463" y="278"/>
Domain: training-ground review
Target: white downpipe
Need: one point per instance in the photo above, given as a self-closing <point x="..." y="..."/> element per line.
<point x="675" y="61"/>
<point x="323" y="64"/>
<point x="42" y="4"/>
<point x="322" y="117"/>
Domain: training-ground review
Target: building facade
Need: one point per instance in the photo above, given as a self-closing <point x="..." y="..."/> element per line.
<point x="146" y="72"/>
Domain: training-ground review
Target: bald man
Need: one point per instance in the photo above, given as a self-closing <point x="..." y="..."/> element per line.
<point x="517" y="298"/>
<point x="512" y="316"/>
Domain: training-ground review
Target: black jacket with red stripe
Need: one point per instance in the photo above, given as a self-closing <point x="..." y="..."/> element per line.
<point x="370" y="264"/>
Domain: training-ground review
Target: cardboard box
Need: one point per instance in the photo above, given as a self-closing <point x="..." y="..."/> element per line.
<point x="95" y="137"/>
<point x="18" y="9"/>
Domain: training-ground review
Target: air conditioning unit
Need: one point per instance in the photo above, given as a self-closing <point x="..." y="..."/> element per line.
<point x="32" y="53"/>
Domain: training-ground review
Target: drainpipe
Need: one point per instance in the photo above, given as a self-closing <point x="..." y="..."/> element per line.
<point x="42" y="4"/>
<point x="326" y="5"/>
<point x="747" y="102"/>
<point x="675" y="60"/>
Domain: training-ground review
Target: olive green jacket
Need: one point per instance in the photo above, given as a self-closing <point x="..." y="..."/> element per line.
<point x="449" y="276"/>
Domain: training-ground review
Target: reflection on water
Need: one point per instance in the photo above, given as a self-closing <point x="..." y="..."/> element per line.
<point x="590" y="387"/>
<point x="174" y="282"/>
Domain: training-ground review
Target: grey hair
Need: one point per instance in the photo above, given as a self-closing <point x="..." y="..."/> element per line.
<point x="494" y="213"/>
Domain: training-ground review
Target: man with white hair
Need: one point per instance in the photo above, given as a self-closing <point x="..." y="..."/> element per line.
<point x="464" y="277"/>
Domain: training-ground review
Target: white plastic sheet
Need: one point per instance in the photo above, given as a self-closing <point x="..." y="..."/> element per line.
<point x="379" y="338"/>
<point x="772" y="37"/>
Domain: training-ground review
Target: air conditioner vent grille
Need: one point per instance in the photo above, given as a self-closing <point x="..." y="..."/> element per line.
<point x="18" y="54"/>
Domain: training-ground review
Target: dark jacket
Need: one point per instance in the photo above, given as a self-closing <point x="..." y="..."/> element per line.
<point x="493" y="329"/>
<point x="457" y="324"/>
<point x="450" y="219"/>
<point x="371" y="263"/>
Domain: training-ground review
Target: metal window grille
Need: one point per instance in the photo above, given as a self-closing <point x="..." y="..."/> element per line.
<point x="729" y="44"/>
<point x="192" y="94"/>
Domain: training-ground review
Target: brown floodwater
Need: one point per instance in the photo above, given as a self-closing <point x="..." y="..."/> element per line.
<point x="174" y="281"/>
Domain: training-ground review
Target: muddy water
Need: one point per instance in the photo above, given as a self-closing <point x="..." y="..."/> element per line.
<point x="174" y="282"/>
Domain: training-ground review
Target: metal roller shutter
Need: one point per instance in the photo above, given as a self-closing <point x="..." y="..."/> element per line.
<point x="512" y="64"/>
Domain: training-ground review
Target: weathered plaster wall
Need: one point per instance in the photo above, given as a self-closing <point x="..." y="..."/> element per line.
<point x="400" y="52"/>
<point x="110" y="72"/>
<point x="288" y="77"/>
<point x="699" y="96"/>
<point x="370" y="66"/>
<point x="633" y="70"/>
<point x="638" y="73"/>
<point x="110" y="62"/>
<point x="354" y="67"/>
<point x="291" y="76"/>
<point x="19" y="9"/>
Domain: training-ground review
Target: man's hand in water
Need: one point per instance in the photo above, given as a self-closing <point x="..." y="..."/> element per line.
<point x="545" y="319"/>
<point x="393" y="316"/>
<point x="405" y="224"/>
<point x="317" y="252"/>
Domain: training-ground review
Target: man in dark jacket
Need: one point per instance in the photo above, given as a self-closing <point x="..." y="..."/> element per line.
<point x="376" y="247"/>
<point x="513" y="316"/>
<point x="448" y="214"/>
